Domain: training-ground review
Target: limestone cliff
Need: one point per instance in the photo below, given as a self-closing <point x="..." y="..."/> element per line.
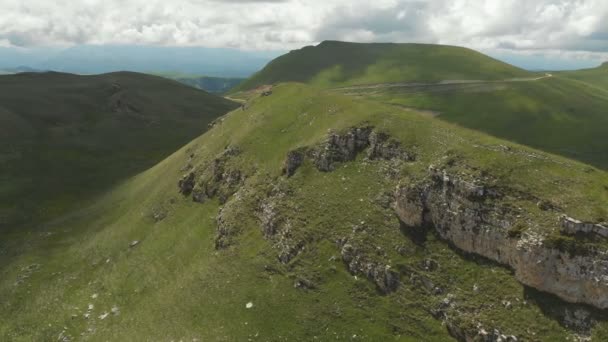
<point x="471" y="216"/>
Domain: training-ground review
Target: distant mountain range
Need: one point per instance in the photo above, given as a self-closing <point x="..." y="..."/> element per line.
<point x="95" y="59"/>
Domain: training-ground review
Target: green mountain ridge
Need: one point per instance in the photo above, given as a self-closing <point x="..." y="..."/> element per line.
<point x="64" y="136"/>
<point x="333" y="64"/>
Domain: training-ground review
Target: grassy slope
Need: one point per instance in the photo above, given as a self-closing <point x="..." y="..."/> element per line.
<point x="555" y="114"/>
<point x="174" y="285"/>
<point x="333" y="64"/>
<point x="595" y="77"/>
<point x="63" y="137"/>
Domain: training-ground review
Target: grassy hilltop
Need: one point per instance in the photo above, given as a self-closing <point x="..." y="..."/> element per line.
<point x="334" y="64"/>
<point x="63" y="136"/>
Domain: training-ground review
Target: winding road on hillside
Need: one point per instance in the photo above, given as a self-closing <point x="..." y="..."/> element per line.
<point x="441" y="83"/>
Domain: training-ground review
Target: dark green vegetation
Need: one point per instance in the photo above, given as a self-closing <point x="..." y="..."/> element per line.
<point x="174" y="284"/>
<point x="64" y="137"/>
<point x="333" y="64"/>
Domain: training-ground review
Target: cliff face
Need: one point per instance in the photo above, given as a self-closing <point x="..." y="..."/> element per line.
<point x="470" y="216"/>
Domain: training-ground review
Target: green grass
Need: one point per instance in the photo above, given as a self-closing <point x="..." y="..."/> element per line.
<point x="333" y="64"/>
<point x="556" y="114"/>
<point x="64" y="137"/>
<point x="174" y="285"/>
<point x="594" y="77"/>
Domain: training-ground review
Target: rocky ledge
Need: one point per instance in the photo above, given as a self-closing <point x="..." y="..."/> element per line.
<point x="342" y="147"/>
<point x="472" y="217"/>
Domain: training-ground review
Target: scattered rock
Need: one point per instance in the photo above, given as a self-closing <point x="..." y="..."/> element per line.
<point x="303" y="283"/>
<point x="249" y="305"/>
<point x="382" y="275"/>
<point x="134" y="243"/>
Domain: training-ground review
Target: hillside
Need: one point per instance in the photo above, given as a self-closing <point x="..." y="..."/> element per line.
<point x="597" y="77"/>
<point x="64" y="137"/>
<point x="333" y="64"/>
<point x="562" y="113"/>
<point x="324" y="217"/>
<point x="555" y="114"/>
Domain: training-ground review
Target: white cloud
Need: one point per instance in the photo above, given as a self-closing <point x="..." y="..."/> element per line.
<point x="577" y="27"/>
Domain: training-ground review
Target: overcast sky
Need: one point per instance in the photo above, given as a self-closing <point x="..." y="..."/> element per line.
<point x="572" y="29"/>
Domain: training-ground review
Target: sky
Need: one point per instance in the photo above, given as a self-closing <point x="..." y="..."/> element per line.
<point x="563" y="32"/>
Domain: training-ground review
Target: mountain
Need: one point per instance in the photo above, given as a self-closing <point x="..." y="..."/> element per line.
<point x="333" y="64"/>
<point x="64" y="137"/>
<point x="553" y="112"/>
<point x="19" y="69"/>
<point x="95" y="59"/>
<point x="92" y="59"/>
<point x="310" y="215"/>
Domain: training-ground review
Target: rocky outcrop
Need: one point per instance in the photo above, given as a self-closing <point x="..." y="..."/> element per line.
<point x="470" y="216"/>
<point x="382" y="146"/>
<point x="340" y="148"/>
<point x="218" y="179"/>
<point x="278" y="227"/>
<point x="186" y="184"/>
<point x="293" y="161"/>
<point x="570" y="226"/>
<point x="386" y="279"/>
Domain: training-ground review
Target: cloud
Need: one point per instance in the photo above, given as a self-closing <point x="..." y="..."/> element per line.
<point x="577" y="27"/>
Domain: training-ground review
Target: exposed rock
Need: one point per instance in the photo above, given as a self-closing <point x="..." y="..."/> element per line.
<point x="216" y="179"/>
<point x="579" y="319"/>
<point x="570" y="226"/>
<point x="382" y="275"/>
<point x="468" y="215"/>
<point x="278" y="228"/>
<point x="340" y="148"/>
<point x="134" y="243"/>
<point x="228" y="220"/>
<point x="303" y="283"/>
<point x="429" y="265"/>
<point x="186" y="184"/>
<point x="343" y="147"/>
<point x="293" y="161"/>
<point x="381" y="146"/>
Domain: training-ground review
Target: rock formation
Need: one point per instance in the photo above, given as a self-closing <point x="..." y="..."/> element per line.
<point x="471" y="217"/>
